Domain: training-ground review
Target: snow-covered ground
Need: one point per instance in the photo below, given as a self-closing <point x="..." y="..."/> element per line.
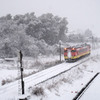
<point x="62" y="87"/>
<point x="93" y="92"/>
<point x="67" y="85"/>
<point x="9" y="67"/>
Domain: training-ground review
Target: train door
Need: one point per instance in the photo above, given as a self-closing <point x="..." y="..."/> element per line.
<point x="69" y="53"/>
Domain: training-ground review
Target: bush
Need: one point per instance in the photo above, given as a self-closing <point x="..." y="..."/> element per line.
<point x="6" y="81"/>
<point x="38" y="91"/>
<point x="3" y="82"/>
<point x="37" y="63"/>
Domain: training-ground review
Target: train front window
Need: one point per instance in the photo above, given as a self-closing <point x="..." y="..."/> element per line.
<point x="65" y="50"/>
<point x="73" y="51"/>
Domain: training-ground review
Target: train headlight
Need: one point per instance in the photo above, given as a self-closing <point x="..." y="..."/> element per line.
<point x="65" y="48"/>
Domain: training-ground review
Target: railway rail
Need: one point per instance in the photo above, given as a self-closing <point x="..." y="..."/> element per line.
<point x="82" y="91"/>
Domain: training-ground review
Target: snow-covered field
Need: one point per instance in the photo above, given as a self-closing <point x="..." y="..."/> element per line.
<point x="67" y="85"/>
<point x="9" y="68"/>
<point x="62" y="87"/>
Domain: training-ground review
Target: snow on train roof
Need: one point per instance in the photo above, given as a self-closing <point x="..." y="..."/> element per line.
<point x="79" y="46"/>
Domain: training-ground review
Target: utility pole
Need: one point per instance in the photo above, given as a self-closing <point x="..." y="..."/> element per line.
<point x="23" y="96"/>
<point x="21" y="69"/>
<point x="92" y="42"/>
<point x="60" y="50"/>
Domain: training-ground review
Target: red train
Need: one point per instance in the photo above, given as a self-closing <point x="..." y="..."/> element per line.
<point x="76" y="52"/>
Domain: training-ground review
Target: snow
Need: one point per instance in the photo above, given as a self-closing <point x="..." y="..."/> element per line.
<point x="62" y="87"/>
<point x="92" y="93"/>
<point x="9" y="69"/>
<point x="65" y="90"/>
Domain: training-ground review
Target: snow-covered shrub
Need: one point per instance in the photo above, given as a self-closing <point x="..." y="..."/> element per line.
<point x="69" y="79"/>
<point x="50" y="64"/>
<point x="38" y="63"/>
<point x="85" y="66"/>
<point x="64" y="79"/>
<point x="26" y="75"/>
<point x="38" y="91"/>
<point x="54" y="85"/>
<point x="50" y="87"/>
<point x="93" y="59"/>
<point x="5" y="81"/>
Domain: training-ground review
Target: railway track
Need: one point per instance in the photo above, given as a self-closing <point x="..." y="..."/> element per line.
<point x="42" y="76"/>
<point x="57" y="73"/>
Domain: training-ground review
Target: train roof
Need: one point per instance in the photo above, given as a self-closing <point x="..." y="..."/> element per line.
<point x="79" y="46"/>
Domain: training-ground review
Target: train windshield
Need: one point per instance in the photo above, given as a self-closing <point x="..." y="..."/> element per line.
<point x="73" y="51"/>
<point x="65" y="50"/>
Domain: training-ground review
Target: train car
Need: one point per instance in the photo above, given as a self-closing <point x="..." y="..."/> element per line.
<point x="75" y="52"/>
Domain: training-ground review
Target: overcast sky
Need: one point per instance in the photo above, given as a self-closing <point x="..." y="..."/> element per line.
<point x="81" y="14"/>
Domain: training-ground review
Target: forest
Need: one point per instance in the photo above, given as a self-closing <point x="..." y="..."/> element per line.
<point x="36" y="36"/>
